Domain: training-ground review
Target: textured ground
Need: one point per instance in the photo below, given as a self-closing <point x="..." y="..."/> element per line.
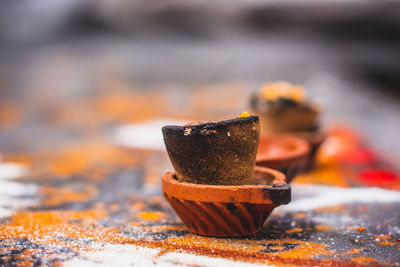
<point x="85" y="87"/>
<point x="79" y="187"/>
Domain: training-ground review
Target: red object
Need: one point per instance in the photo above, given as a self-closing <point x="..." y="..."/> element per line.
<point x="360" y="156"/>
<point x="378" y="177"/>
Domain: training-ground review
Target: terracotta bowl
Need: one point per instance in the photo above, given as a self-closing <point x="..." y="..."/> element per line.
<point x="227" y="211"/>
<point x="314" y="139"/>
<point x="285" y="153"/>
<point x="220" y="153"/>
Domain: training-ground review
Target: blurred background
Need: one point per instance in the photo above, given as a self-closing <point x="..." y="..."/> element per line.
<point x="74" y="69"/>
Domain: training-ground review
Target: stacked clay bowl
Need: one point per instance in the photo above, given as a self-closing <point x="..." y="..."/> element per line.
<point x="285" y="153"/>
<point x="314" y="140"/>
<point x="216" y="188"/>
<point x="227" y="211"/>
<point x="284" y="108"/>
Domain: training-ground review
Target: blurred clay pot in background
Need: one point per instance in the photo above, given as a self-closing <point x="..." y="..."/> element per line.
<point x="224" y="210"/>
<point x="285" y="153"/>
<point x="314" y="139"/>
<point x="286" y="116"/>
<point x="284" y="108"/>
<point x="220" y="153"/>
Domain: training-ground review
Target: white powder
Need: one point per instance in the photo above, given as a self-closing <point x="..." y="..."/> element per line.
<point x="146" y="135"/>
<point x="5" y="212"/>
<point x="309" y="197"/>
<point x="15" y="195"/>
<point x="131" y="255"/>
<point x="11" y="170"/>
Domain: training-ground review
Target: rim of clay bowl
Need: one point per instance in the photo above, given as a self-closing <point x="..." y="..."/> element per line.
<point x="315" y="138"/>
<point x="277" y="193"/>
<point x="199" y="128"/>
<point x="299" y="150"/>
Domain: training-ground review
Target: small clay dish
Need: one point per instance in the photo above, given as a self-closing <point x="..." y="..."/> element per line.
<point x="220" y="153"/>
<point x="314" y="139"/>
<point x="227" y="211"/>
<point x="285" y="153"/>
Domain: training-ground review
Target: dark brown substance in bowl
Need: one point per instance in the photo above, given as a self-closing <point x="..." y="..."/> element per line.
<point x="284" y="115"/>
<point x="214" y="153"/>
<point x="285" y="153"/>
<point x="227" y="211"/>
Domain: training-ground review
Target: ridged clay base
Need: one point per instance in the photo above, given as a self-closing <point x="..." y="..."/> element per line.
<point x="227" y="211"/>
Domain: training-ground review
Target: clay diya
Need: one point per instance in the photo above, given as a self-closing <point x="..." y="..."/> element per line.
<point x="216" y="188"/>
<point x="314" y="140"/>
<point x="220" y="153"/>
<point x="227" y="210"/>
<point x="284" y="108"/>
<point x="285" y="153"/>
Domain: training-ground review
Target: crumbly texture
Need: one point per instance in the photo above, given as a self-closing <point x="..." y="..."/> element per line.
<point x="221" y="153"/>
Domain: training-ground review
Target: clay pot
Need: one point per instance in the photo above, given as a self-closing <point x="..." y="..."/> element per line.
<point x="314" y="139"/>
<point x="285" y="153"/>
<point x="284" y="115"/>
<point x="227" y="211"/>
<point x="222" y="153"/>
